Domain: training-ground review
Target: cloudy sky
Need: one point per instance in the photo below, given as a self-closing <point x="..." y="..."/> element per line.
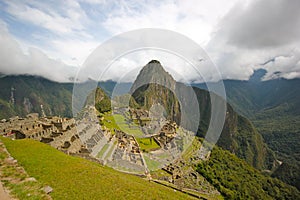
<point x="54" y="38"/>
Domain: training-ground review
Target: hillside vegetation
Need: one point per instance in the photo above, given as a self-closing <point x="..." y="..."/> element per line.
<point x="30" y="92"/>
<point x="235" y="179"/>
<point x="274" y="108"/>
<point x="77" y="178"/>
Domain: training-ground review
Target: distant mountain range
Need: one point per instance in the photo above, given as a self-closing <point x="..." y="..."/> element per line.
<point x="272" y="106"/>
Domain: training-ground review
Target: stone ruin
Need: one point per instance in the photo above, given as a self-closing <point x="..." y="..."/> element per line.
<point x="166" y="135"/>
<point x="59" y="132"/>
<point x="138" y="114"/>
<point x="127" y="153"/>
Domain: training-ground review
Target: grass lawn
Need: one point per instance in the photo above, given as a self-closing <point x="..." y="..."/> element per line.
<point x="152" y="164"/>
<point x="109" y="122"/>
<point x="103" y="150"/>
<point x="147" y="144"/>
<point x="118" y="121"/>
<point x="77" y="178"/>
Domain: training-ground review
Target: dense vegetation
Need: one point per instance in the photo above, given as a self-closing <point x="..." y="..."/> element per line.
<point x="56" y="97"/>
<point x="102" y="101"/>
<point x="239" y="136"/>
<point x="235" y="179"/>
<point x="30" y="93"/>
<point x="77" y="178"/>
<point x="274" y="108"/>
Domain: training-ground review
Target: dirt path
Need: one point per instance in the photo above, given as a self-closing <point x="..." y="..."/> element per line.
<point x="16" y="176"/>
<point x="3" y="194"/>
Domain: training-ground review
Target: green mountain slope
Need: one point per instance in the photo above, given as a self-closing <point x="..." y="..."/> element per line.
<point x="30" y="92"/>
<point x="153" y="86"/>
<point x="100" y="99"/>
<point x="238" y="136"/>
<point x="235" y="179"/>
<point x="274" y="108"/>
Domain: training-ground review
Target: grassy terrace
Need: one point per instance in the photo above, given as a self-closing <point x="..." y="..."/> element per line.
<point x="118" y="121"/>
<point x="147" y="144"/>
<point x="77" y="178"/>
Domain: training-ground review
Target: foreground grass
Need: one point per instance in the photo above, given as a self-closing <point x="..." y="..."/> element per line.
<point x="77" y="178"/>
<point x="16" y="180"/>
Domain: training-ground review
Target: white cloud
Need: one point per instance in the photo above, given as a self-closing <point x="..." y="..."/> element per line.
<point x="239" y="36"/>
<point x="40" y="15"/>
<point x="284" y="66"/>
<point x="34" y="62"/>
<point x="194" y="19"/>
<point x="250" y="35"/>
<point x="75" y="51"/>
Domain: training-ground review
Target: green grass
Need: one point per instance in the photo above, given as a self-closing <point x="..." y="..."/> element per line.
<point x="110" y="150"/>
<point x="109" y="122"/>
<point x="190" y="151"/>
<point x="14" y="178"/>
<point x="118" y="121"/>
<point x="77" y="178"/>
<point x="103" y="150"/>
<point x="152" y="164"/>
<point x="147" y="144"/>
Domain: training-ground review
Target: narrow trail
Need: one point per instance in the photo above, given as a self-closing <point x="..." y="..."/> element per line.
<point x="3" y="194"/>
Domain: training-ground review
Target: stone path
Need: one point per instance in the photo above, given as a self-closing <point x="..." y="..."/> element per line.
<point x="3" y="194"/>
<point x="11" y="172"/>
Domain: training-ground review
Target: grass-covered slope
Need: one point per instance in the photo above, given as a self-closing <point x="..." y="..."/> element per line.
<point x="77" y="178"/>
<point x="235" y="179"/>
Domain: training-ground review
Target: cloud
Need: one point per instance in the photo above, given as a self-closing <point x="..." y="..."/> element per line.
<point x="284" y="66"/>
<point x="184" y="17"/>
<point x="67" y="21"/>
<point x="238" y="35"/>
<point x="34" y="62"/>
<point x="263" y="24"/>
<point x="251" y="34"/>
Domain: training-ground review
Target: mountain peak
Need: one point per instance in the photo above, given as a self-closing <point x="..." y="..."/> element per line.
<point x="153" y="67"/>
<point x="153" y="72"/>
<point x="154" y="61"/>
